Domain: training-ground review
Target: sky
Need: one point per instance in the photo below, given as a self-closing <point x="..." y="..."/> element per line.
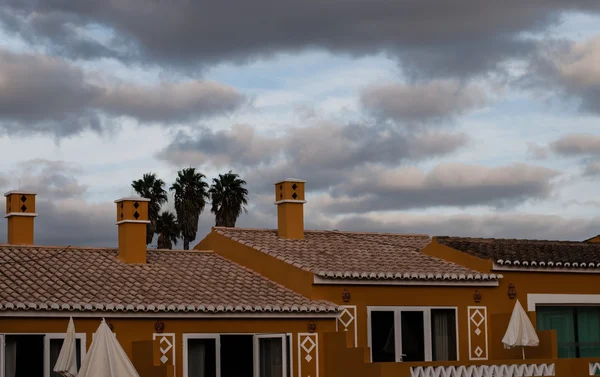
<point x="471" y="118"/>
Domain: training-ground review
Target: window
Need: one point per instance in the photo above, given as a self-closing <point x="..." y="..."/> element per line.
<point x="577" y="329"/>
<point x="35" y="354"/>
<point x="412" y="334"/>
<point x="239" y="355"/>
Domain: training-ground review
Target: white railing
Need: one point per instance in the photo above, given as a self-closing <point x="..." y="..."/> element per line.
<point x="594" y="369"/>
<point x="506" y="370"/>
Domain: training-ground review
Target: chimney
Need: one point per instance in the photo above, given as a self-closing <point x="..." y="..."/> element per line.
<point x="20" y="213"/>
<point x="132" y="220"/>
<point x="289" y="199"/>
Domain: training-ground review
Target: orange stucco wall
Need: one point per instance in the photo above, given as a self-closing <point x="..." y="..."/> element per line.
<point x="132" y="330"/>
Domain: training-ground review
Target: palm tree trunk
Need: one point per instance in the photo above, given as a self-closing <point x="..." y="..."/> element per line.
<point x="186" y="243"/>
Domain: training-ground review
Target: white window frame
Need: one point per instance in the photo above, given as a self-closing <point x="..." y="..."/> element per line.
<point x="257" y="338"/>
<point x="255" y="349"/>
<point x="46" y="356"/>
<point x="49" y="336"/>
<point x="427" y="333"/>
<point x="215" y="337"/>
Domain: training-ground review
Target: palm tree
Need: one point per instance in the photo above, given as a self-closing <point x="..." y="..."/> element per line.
<point x="190" y="199"/>
<point x="167" y="229"/>
<point x="229" y="198"/>
<point x="150" y="187"/>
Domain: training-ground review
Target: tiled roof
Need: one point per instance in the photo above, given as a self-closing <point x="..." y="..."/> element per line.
<point x="88" y="279"/>
<point x="529" y="253"/>
<point x="350" y="255"/>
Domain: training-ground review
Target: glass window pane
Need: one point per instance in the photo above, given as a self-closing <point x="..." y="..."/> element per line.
<point x="383" y="346"/>
<point x="270" y="357"/>
<point x="562" y="320"/>
<point x="55" y="346"/>
<point x="588" y="331"/>
<point x="443" y="334"/>
<point x="202" y="358"/>
<point x="413" y="336"/>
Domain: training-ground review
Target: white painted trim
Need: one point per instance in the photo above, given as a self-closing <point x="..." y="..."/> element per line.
<point x="445" y="283"/>
<point x="165" y="335"/>
<point x="17" y="192"/>
<point x="2" y="345"/>
<point x="133" y="222"/>
<point x="289" y="201"/>
<point x="291" y="180"/>
<point x="484" y="308"/>
<point x="534" y="299"/>
<point x="571" y="270"/>
<point x="291" y="352"/>
<point x="215" y="337"/>
<point x="60" y="314"/>
<point x="132" y="199"/>
<point x="427" y="333"/>
<point x="316" y="340"/>
<point x="256" y="351"/>
<point x="21" y="214"/>
<point x="354" y="321"/>
<point x="82" y="348"/>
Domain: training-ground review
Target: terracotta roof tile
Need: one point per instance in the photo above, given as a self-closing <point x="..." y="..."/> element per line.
<point x="529" y="253"/>
<point x="351" y="255"/>
<point x="43" y="278"/>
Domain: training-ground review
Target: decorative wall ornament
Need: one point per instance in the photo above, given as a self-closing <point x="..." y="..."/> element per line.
<point x="308" y="355"/>
<point x="477" y="297"/>
<point x="346" y="321"/>
<point x="164" y="348"/>
<point x="478" y="333"/>
<point x="159" y="326"/>
<point x="311" y="327"/>
<point x="512" y="291"/>
<point x="504" y="370"/>
<point x="346" y="295"/>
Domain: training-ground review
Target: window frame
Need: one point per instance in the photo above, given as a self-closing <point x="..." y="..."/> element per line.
<point x="427" y="331"/>
<point x="82" y="348"/>
<point x="255" y="349"/>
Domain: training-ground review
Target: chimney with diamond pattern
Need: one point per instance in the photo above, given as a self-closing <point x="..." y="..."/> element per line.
<point x="132" y="220"/>
<point x="289" y="199"/>
<point x="20" y="213"/>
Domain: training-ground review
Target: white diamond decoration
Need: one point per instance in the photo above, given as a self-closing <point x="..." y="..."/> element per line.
<point x="164" y="359"/>
<point x="308" y="349"/>
<point x="477" y="331"/>
<point x="479" y="320"/>
<point x="478" y="351"/>
<point x="346" y="313"/>
<point x="308" y="358"/>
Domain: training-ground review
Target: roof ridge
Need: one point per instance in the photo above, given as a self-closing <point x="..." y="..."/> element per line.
<point x="326" y="231"/>
<point x="583" y="243"/>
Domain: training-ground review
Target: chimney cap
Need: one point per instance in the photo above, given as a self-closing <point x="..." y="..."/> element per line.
<point x="291" y="180"/>
<point x="132" y="199"/>
<point x="22" y="192"/>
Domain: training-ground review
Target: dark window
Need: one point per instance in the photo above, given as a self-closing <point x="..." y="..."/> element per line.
<point x="577" y="329"/>
<point x="443" y="334"/>
<point x="24" y="355"/>
<point x="55" y="346"/>
<point x="383" y="345"/>
<point x="413" y="336"/>
<point x="202" y="358"/>
<point x="237" y="356"/>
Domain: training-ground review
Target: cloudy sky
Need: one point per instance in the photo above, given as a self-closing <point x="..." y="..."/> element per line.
<point x="471" y="117"/>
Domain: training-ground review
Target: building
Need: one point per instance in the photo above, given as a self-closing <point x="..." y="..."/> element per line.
<point x="176" y="313"/>
<point x="414" y="299"/>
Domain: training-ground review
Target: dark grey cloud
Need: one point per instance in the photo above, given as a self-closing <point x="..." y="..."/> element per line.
<point x="577" y="145"/>
<point x="324" y="153"/>
<point x="448" y="184"/>
<point x="414" y="104"/>
<point x="47" y="95"/>
<point x="430" y="38"/>
<point x="51" y="179"/>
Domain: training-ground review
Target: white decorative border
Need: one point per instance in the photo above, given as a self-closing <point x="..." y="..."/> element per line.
<point x="483" y="312"/>
<point x="301" y="339"/>
<point x="503" y="370"/>
<point x="170" y="347"/>
<point x="343" y="309"/>
<point x="534" y="298"/>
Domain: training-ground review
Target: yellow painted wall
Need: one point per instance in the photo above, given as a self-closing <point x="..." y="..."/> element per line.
<point x="130" y="330"/>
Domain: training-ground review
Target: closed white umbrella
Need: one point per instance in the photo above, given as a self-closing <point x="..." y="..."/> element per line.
<point x="520" y="331"/>
<point x="66" y="365"/>
<point x="106" y="357"/>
